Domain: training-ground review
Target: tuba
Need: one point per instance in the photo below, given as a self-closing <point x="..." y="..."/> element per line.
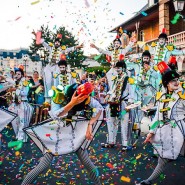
<point x="116" y="92"/>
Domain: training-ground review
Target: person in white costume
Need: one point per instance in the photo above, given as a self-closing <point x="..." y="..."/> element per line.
<point x="21" y="107"/>
<point x="167" y="131"/>
<point x="118" y="97"/>
<point x="116" y="53"/>
<point x="71" y="129"/>
<point x="55" y="52"/>
<point x="161" y="51"/>
<point x="61" y="81"/>
<point x="5" y="116"/>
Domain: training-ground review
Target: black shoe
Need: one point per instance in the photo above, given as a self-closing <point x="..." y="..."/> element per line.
<point x="145" y="183"/>
<point x="107" y="145"/>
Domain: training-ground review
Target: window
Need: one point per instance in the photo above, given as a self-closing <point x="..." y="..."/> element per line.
<point x="152" y="2"/>
<point x="141" y="35"/>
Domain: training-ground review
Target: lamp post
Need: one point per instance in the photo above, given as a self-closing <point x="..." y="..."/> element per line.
<point x="25" y="58"/>
<point x="179" y="5"/>
<point x="41" y="54"/>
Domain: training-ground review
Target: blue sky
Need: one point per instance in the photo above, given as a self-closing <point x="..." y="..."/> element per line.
<point x="88" y="20"/>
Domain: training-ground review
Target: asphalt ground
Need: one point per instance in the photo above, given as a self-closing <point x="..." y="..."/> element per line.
<point x="115" y="167"/>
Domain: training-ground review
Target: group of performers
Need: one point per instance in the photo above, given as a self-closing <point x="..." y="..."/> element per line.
<point x="148" y="87"/>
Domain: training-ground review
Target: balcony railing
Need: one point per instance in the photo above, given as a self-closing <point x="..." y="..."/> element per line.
<point x="177" y="39"/>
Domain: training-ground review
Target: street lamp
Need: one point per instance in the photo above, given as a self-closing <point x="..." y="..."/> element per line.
<point x="178" y="5"/>
<point x="25" y="58"/>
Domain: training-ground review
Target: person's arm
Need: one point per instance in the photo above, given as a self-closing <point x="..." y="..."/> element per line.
<point x="97" y="113"/>
<point x="71" y="49"/>
<point x="106" y="52"/>
<point x="178" y="52"/>
<point x="154" y="129"/>
<point x="75" y="100"/>
<point x="130" y="44"/>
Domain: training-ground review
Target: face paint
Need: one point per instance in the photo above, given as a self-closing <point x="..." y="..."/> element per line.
<point x="62" y="68"/>
<point x="18" y="75"/>
<point x="119" y="70"/>
<point x="162" y="41"/>
<point x="146" y="59"/>
<point x="57" y="44"/>
<point x="117" y="44"/>
<point x="174" y="84"/>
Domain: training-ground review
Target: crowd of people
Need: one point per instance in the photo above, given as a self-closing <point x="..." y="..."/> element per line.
<point x="74" y="107"/>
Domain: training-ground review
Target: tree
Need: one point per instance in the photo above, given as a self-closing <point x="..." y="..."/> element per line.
<point x="38" y="52"/>
<point x="75" y="58"/>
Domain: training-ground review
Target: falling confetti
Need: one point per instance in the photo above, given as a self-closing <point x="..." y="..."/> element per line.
<point x="35" y="2"/>
<point x="144" y="13"/>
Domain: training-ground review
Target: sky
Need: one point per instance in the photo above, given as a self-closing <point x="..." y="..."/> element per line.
<point x="88" y="20"/>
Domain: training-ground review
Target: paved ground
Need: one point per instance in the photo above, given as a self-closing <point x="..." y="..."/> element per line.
<point x="135" y="164"/>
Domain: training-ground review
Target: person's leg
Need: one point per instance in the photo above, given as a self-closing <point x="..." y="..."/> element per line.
<point x="47" y="77"/>
<point x="43" y="165"/>
<point x="91" y="168"/>
<point x="112" y="126"/>
<point x="124" y="130"/>
<point x="157" y="171"/>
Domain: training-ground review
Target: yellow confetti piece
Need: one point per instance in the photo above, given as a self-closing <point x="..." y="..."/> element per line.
<point x="125" y="179"/>
<point x="17" y="153"/>
<point x="94" y="110"/>
<point x="35" y="2"/>
<point x="139" y="156"/>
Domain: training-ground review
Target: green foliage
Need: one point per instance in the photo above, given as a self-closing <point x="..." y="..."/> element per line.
<point x="75" y="59"/>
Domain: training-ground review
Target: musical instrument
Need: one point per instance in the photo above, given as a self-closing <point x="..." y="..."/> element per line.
<point x="133" y="105"/>
<point x="145" y="125"/>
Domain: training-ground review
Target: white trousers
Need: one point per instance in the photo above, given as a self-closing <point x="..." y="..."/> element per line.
<point x="48" y="77"/>
<point x="112" y="126"/>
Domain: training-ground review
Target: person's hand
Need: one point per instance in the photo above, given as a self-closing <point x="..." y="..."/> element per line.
<point x="75" y="100"/>
<point x="11" y="89"/>
<point x="33" y="32"/>
<point x="133" y="37"/>
<point x="106" y="98"/>
<point x="149" y="136"/>
<point x="93" y="46"/>
<point x="146" y="66"/>
<point x="80" y="46"/>
<point x="89" y="135"/>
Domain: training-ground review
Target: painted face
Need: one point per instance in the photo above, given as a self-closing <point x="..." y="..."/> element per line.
<point x="18" y="75"/>
<point x="117" y="44"/>
<point x="119" y="70"/>
<point x="62" y="68"/>
<point x="146" y="59"/>
<point x="57" y="44"/>
<point x="174" y="84"/>
<point x="162" y="41"/>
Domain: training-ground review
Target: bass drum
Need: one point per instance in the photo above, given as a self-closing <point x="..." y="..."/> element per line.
<point x="145" y="125"/>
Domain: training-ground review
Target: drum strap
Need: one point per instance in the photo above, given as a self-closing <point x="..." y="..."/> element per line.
<point x="124" y="87"/>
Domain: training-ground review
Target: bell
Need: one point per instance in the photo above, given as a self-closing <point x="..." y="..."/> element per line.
<point x="153" y="44"/>
<point x="59" y="97"/>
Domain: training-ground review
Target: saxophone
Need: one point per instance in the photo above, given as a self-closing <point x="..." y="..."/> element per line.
<point x="116" y="92"/>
